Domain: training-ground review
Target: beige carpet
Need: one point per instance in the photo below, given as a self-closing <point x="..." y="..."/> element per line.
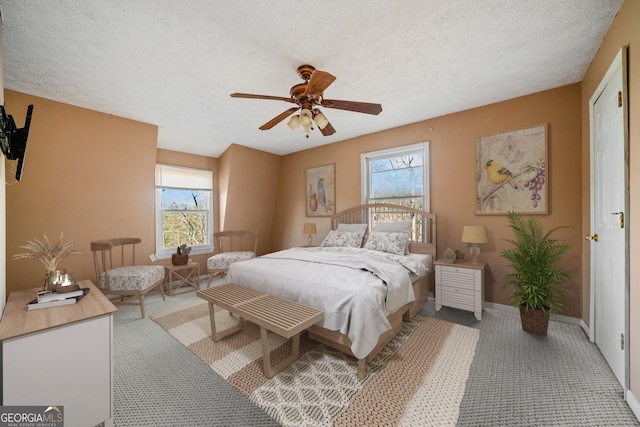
<point x="418" y="379"/>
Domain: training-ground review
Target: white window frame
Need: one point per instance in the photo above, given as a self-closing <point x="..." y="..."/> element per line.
<point x="367" y="158"/>
<point x="204" y="179"/>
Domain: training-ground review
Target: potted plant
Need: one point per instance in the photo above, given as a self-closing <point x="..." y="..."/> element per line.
<point x="181" y="257"/>
<point x="537" y="281"/>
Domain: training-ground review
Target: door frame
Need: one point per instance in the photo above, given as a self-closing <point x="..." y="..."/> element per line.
<point x="620" y="61"/>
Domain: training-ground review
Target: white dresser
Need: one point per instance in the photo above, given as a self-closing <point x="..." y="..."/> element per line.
<point x="60" y="356"/>
<point x="460" y="285"/>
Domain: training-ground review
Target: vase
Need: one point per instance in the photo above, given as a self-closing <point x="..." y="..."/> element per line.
<point x="449" y="255"/>
<point x="52" y="278"/>
<point x="179" y="259"/>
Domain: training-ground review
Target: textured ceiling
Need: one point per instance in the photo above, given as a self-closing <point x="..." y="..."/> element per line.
<point x="174" y="63"/>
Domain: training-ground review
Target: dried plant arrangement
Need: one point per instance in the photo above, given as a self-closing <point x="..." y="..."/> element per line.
<point x="50" y="254"/>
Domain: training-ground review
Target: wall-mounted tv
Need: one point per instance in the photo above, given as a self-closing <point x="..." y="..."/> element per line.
<point x="13" y="140"/>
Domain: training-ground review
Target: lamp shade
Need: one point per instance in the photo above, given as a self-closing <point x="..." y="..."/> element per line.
<point x="321" y="120"/>
<point x="309" y="228"/>
<point x="294" y="122"/>
<point x="474" y="234"/>
<point x="305" y="116"/>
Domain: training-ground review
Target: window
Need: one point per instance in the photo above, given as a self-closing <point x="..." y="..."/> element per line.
<point x="184" y="211"/>
<point x="397" y="175"/>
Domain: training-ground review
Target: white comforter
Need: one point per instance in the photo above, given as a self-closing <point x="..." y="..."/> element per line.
<point x="355" y="288"/>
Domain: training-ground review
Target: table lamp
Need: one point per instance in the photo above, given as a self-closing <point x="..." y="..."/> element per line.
<point x="474" y="234"/>
<point x="309" y="228"/>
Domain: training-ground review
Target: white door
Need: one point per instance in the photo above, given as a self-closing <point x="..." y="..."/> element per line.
<point x="608" y="213"/>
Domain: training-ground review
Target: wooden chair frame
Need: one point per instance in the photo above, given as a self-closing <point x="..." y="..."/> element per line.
<point x="103" y="262"/>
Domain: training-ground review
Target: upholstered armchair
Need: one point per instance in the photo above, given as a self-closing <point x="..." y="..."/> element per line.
<point x="123" y="277"/>
<point x="233" y="246"/>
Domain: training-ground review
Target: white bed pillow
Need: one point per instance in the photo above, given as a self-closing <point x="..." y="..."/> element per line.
<point x="425" y="259"/>
<point x="335" y="238"/>
<point x="395" y="227"/>
<point x="362" y="228"/>
<point x="393" y="243"/>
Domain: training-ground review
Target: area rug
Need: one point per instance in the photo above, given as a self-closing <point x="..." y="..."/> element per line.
<point x="419" y="378"/>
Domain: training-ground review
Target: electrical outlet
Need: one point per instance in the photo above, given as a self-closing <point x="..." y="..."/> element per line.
<point x="153" y="257"/>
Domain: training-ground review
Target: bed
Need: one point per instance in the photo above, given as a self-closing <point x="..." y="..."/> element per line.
<point x="372" y="270"/>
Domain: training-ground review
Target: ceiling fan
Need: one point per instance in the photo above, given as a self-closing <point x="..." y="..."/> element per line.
<point x="309" y="96"/>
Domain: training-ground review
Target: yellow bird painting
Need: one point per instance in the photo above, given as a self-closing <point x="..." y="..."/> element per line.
<point x="497" y="174"/>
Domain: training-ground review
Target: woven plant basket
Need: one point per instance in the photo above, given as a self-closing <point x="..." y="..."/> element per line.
<point x="534" y="321"/>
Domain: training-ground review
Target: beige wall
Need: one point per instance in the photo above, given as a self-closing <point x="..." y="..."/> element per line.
<point x="624" y="31"/>
<point x="248" y="186"/>
<point x="110" y="191"/>
<point x="88" y="175"/>
<point x="452" y="142"/>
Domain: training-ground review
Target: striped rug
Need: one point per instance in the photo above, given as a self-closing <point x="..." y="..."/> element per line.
<point x="418" y="379"/>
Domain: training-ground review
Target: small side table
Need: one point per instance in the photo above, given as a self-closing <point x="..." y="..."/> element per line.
<point x="187" y="274"/>
<point x="460" y="285"/>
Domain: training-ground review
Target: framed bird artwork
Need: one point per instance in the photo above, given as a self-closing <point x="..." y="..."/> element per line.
<point x="512" y="172"/>
<point x="321" y="190"/>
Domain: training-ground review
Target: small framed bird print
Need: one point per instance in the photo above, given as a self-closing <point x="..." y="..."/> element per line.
<point x="321" y="190"/>
<point x="512" y="173"/>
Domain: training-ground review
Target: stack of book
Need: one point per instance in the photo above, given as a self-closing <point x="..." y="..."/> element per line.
<point x="54" y="299"/>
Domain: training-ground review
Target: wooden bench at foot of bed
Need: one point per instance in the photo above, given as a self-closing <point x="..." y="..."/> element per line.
<point x="283" y="317"/>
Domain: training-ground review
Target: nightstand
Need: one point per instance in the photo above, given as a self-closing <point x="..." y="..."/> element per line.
<point x="185" y="274"/>
<point x="460" y="285"/>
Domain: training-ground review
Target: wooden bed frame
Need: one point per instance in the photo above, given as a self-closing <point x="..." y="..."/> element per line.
<point x="423" y="241"/>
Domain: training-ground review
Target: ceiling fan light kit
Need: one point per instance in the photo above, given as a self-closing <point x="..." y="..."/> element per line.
<point x="308" y="96"/>
<point x="321" y="120"/>
<point x="305" y="116"/>
<point x="294" y="122"/>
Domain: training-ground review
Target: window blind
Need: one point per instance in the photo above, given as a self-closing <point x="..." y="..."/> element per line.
<point x="179" y="177"/>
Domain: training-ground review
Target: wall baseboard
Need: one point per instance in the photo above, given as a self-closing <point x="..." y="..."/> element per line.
<point x="633" y="404"/>
<point x="586" y="329"/>
<point x="511" y="309"/>
<point x="557" y="317"/>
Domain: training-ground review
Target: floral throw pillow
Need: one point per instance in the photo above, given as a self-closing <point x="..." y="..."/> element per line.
<point x="395" y="227"/>
<point x="393" y="243"/>
<point x="352" y="239"/>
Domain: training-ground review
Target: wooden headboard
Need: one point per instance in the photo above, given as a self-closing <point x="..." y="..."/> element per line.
<point x="423" y="232"/>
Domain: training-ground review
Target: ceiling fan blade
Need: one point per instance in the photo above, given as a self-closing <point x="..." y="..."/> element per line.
<point x="271" y="123"/>
<point x="358" y="107"/>
<point x="319" y="81"/>
<point x="252" y="96"/>
<point x="328" y="129"/>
